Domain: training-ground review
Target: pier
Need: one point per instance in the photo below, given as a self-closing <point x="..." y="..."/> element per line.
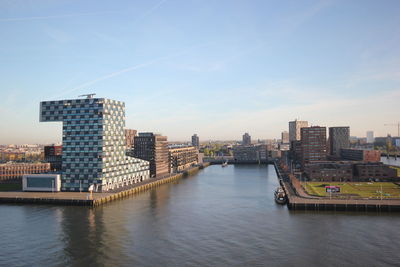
<point x="95" y="199"/>
<point x="298" y="199"/>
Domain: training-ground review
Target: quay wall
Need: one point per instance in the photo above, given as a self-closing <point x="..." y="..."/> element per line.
<point x="147" y="186"/>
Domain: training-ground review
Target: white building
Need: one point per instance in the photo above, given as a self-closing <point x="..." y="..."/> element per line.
<point x="370" y="137"/>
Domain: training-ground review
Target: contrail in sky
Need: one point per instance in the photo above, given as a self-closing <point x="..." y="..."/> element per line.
<point x="129" y="69"/>
<point x="55" y="16"/>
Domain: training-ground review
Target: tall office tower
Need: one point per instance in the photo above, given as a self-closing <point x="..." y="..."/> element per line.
<point x="246" y="139"/>
<point x="285" y="137"/>
<point x="294" y="129"/>
<point x="195" y="141"/>
<point x="313" y="144"/>
<point x="94" y="144"/>
<point x="370" y="137"/>
<point x="339" y="137"/>
<point x="153" y="148"/>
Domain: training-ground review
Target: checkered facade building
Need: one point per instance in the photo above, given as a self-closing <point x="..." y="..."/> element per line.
<point x="94" y="144"/>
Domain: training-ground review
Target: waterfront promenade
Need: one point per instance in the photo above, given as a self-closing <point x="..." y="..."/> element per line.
<point x="298" y="199"/>
<point x="87" y="199"/>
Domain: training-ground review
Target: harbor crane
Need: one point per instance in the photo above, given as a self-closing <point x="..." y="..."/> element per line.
<point x="395" y="124"/>
<point x="88" y="95"/>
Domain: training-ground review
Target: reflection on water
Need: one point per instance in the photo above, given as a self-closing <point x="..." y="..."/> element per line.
<point x="220" y="217"/>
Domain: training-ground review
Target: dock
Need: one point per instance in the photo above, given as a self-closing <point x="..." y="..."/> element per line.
<point x="298" y="199"/>
<point x="96" y="199"/>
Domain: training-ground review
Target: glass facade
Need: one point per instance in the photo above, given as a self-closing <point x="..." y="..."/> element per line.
<point x="94" y="144"/>
<point x="40" y="182"/>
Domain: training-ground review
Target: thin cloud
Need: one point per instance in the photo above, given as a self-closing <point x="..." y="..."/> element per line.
<point x="151" y="10"/>
<point x="129" y="69"/>
<point x="54" y="16"/>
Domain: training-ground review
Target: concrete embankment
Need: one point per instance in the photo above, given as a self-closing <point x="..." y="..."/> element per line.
<point x="84" y="199"/>
<point x="299" y="200"/>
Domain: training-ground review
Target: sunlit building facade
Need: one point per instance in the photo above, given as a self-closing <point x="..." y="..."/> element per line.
<point x="94" y="145"/>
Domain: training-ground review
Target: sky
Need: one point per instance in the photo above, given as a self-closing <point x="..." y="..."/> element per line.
<point x="215" y="68"/>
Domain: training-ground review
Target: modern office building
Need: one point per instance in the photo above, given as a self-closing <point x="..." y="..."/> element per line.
<point x="294" y="129"/>
<point x="12" y="171"/>
<point x="250" y="154"/>
<point x="182" y="158"/>
<point x="370" y="137"/>
<point x="360" y="155"/>
<point x="339" y="137"/>
<point x="195" y="141"/>
<point x="153" y="148"/>
<point x="313" y="144"/>
<point x="246" y="139"/>
<point x="94" y="145"/>
<point x="53" y="155"/>
<point x="285" y="137"/>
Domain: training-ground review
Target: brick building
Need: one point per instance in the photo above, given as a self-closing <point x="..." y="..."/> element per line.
<point x="182" y="158"/>
<point x="360" y="155"/>
<point x="313" y="144"/>
<point x="11" y="171"/>
<point x="153" y="148"/>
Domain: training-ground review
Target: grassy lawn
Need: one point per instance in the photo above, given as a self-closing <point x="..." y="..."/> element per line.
<point x="10" y="187"/>
<point x="354" y="189"/>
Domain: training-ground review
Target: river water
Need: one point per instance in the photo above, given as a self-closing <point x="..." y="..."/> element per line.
<point x="219" y="217"/>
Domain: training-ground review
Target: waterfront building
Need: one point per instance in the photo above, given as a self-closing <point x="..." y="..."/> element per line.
<point x="285" y="137"/>
<point x="329" y="171"/>
<point x="195" y="141"/>
<point x="339" y="137"/>
<point x="295" y="129"/>
<point x="94" y="148"/>
<point x="41" y="182"/>
<point x="313" y="144"/>
<point x="53" y="155"/>
<point x="246" y="139"/>
<point x="370" y="137"/>
<point x="374" y="171"/>
<point x="243" y="154"/>
<point x="153" y="148"/>
<point x="360" y="155"/>
<point x="12" y="171"/>
<point x="182" y="158"/>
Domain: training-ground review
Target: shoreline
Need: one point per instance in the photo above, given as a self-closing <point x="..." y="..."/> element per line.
<point x="81" y="199"/>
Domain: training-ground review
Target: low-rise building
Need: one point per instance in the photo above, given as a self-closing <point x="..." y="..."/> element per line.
<point x="11" y="171"/>
<point x="375" y="171"/>
<point x="182" y="158"/>
<point x="256" y="153"/>
<point x="360" y="155"/>
<point x="329" y="171"/>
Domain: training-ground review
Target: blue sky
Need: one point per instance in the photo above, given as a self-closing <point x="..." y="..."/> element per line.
<point x="215" y="68"/>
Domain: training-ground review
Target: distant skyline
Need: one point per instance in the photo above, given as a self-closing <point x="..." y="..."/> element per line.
<point x="215" y="68"/>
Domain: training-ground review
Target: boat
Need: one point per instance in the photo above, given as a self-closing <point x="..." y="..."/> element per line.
<point x="280" y="195"/>
<point x="224" y="164"/>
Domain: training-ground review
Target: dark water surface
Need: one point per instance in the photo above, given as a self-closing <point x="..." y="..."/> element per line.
<point x="220" y="217"/>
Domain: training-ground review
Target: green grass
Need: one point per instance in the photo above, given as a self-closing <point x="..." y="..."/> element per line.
<point x="10" y="187"/>
<point x="355" y="189"/>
